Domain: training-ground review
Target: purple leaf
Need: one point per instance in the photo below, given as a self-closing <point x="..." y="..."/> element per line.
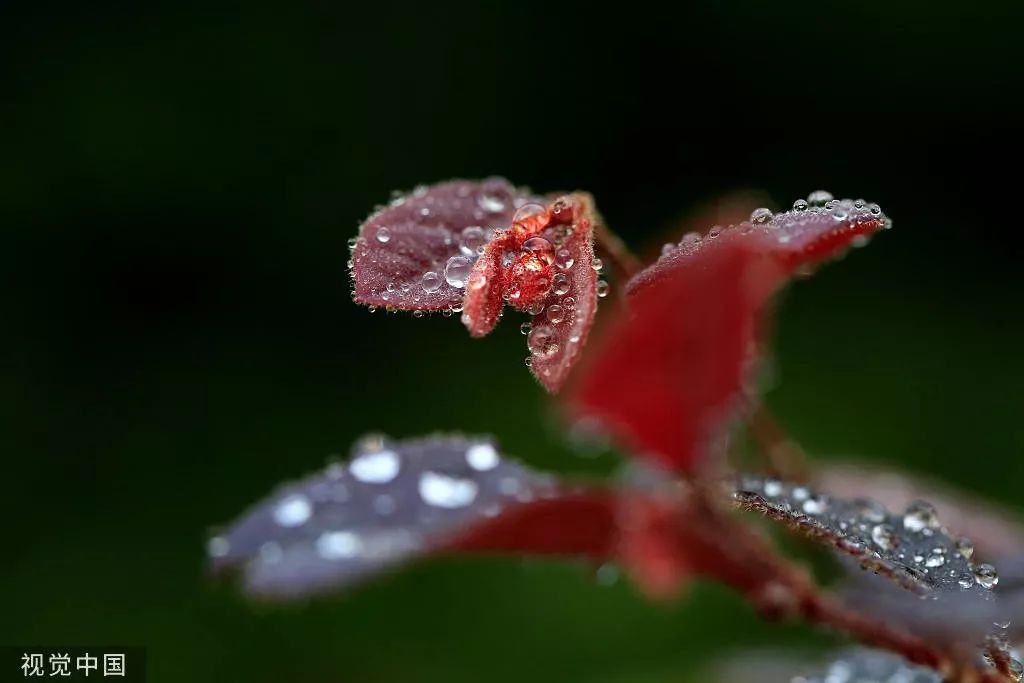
<point x="395" y="500"/>
<point x="416" y="253"/>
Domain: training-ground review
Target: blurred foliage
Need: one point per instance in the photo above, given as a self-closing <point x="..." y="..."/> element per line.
<point x="177" y="186"/>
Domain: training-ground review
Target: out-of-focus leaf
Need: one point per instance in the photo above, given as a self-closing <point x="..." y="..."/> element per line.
<point x="673" y="369"/>
<point x="396" y="500"/>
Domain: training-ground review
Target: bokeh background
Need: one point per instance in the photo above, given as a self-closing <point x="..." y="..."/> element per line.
<point x="178" y="181"/>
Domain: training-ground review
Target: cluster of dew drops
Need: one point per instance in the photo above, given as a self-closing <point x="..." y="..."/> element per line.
<point x="542" y="340"/>
<point x="378" y="464"/>
<point x="818" y="203"/>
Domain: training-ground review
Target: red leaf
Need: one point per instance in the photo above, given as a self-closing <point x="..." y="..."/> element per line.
<point x="484" y="301"/>
<point x="403" y="250"/>
<point x="559" y="331"/>
<point x="671" y="371"/>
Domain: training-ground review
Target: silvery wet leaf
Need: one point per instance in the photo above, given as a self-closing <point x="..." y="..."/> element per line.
<point x="392" y="501"/>
<point x="911" y="547"/>
<point x="950" y="596"/>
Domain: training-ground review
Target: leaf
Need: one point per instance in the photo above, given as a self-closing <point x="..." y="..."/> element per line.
<point x="955" y="603"/>
<point x="559" y="331"/>
<point x="912" y="548"/>
<point x="399" y="500"/>
<point x="995" y="530"/>
<point x="402" y="253"/>
<point x="672" y="371"/>
<point x="473" y="247"/>
<point x="485" y="289"/>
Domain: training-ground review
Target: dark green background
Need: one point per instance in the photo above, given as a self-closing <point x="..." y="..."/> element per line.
<point x="177" y="185"/>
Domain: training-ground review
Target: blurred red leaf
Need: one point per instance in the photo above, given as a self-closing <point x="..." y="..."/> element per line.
<point x="672" y="370"/>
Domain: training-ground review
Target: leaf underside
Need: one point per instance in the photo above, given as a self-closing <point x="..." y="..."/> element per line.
<point x="674" y="368"/>
<point x="912" y="549"/>
<point x="398" y="500"/>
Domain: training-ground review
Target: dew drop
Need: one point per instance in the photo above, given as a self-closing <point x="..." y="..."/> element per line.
<point x="448" y="492"/>
<point x="564" y="259"/>
<point x="271" y="552"/>
<point x="556" y="313"/>
<point x="815" y="505"/>
<point x="528" y="212"/>
<point x="379" y="467"/>
<point x="965" y="547"/>
<point x="607" y="574"/>
<point x="760" y="216"/>
<point x="986" y="576"/>
<point x="472" y="240"/>
<point x="293" y="510"/>
<point x="541" y="248"/>
<point x="690" y="239"/>
<point x="490" y="203"/>
<point x="884" y="536"/>
<point x="919" y="516"/>
<point x="218" y="546"/>
<point x="819" y="197"/>
<point x="602" y="288"/>
<point x="560" y="284"/>
<point x="457" y="271"/>
<point x="431" y="281"/>
<point x="482" y="457"/>
<point x="525" y="328"/>
<point x="773" y="488"/>
<point x="800" y="205"/>
<point x="542" y="341"/>
<point x="338" y="545"/>
<point x="597" y="264"/>
<point x="383" y="235"/>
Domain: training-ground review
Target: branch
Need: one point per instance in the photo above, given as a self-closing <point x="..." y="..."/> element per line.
<point x="783" y="456"/>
